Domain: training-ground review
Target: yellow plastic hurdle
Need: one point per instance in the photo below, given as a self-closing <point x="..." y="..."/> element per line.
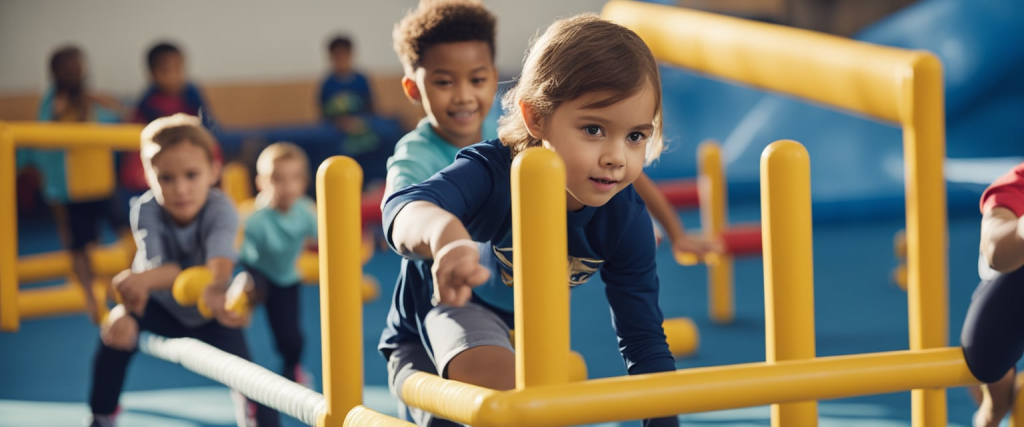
<point x="338" y="187"/>
<point x="792" y="378"/>
<point x="714" y="218"/>
<point x="89" y="176"/>
<point x="890" y="84"/>
<point x="88" y="159"/>
<point x="339" y="181"/>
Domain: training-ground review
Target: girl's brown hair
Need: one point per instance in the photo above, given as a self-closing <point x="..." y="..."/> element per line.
<point x="575" y="56"/>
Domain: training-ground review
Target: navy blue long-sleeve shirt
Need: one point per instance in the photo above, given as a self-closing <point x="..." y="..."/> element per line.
<point x="615" y="239"/>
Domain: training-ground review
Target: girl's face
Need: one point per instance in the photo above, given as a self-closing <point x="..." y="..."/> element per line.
<point x="603" y="148"/>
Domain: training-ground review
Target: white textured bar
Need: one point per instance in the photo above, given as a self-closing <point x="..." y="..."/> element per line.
<point x="250" y="379"/>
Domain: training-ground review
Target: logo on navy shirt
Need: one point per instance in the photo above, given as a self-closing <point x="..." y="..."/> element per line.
<point x="580" y="269"/>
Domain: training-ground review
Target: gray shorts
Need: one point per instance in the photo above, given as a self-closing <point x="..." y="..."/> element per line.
<point x="451" y="330"/>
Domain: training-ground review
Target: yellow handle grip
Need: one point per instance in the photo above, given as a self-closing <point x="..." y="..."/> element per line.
<point x="188" y="288"/>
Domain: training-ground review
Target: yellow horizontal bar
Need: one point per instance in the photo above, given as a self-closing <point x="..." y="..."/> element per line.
<point x="73" y="135"/>
<point x="833" y="70"/>
<point x="361" y="416"/>
<point x="57" y="300"/>
<point x="691" y="390"/>
<point x="453" y="400"/>
<point x="106" y="261"/>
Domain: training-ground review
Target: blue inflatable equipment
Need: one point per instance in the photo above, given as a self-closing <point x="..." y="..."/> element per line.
<point x="857" y="163"/>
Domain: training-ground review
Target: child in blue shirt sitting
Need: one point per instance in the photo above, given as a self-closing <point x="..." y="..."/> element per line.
<point x="344" y="92"/>
<point x="345" y="101"/>
<point x="169" y="92"/>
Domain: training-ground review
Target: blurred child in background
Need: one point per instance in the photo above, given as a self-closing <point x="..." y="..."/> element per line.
<point x="283" y="222"/>
<point x="69" y="100"/>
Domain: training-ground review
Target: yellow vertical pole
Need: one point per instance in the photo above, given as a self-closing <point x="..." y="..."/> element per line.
<point x="541" y="273"/>
<point x="338" y="186"/>
<point x="924" y="148"/>
<point x="8" y="227"/>
<point x="788" y="267"/>
<point x="714" y="217"/>
<point x="1017" y="411"/>
<point x="236" y="182"/>
<point x="90" y="173"/>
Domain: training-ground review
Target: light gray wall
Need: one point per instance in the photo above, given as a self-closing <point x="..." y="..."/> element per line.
<point x="230" y="40"/>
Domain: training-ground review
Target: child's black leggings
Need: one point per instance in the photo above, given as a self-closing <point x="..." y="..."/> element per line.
<point x="110" y="365"/>
<point x="993" y="333"/>
<point x="282" y="303"/>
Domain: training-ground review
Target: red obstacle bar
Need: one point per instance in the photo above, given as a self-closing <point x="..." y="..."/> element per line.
<point x="743" y="240"/>
<point x="371" y="207"/>
<point x="681" y="194"/>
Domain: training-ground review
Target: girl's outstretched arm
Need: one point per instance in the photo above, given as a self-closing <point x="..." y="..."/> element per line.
<point x="666" y="215"/>
<point x="424" y="230"/>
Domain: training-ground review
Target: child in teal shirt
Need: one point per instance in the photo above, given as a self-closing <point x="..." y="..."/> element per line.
<point x="275" y="235"/>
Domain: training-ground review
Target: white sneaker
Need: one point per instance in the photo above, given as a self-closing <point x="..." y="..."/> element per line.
<point x="100" y="421"/>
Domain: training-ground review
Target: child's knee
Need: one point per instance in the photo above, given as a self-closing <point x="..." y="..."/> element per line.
<point x="486" y="366"/>
<point x="471" y="345"/>
<point x="120" y="331"/>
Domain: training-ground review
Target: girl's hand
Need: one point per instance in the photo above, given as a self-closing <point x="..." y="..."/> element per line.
<point x="696" y="246"/>
<point x="457" y="270"/>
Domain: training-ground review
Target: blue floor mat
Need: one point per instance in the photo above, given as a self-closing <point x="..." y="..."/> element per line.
<point x="45" y="367"/>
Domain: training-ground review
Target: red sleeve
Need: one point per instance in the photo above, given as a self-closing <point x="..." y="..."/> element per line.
<point x="218" y="156"/>
<point x="1007" y="191"/>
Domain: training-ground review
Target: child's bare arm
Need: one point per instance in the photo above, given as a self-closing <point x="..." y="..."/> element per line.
<point x="221" y="268"/>
<point x="665" y="214"/>
<point x="428" y="231"/>
<point x="1002" y="239"/>
<point x="159" y="278"/>
<point x="423" y="228"/>
<point x="660" y="208"/>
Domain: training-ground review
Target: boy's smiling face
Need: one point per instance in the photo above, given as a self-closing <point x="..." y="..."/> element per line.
<point x="456" y="83"/>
